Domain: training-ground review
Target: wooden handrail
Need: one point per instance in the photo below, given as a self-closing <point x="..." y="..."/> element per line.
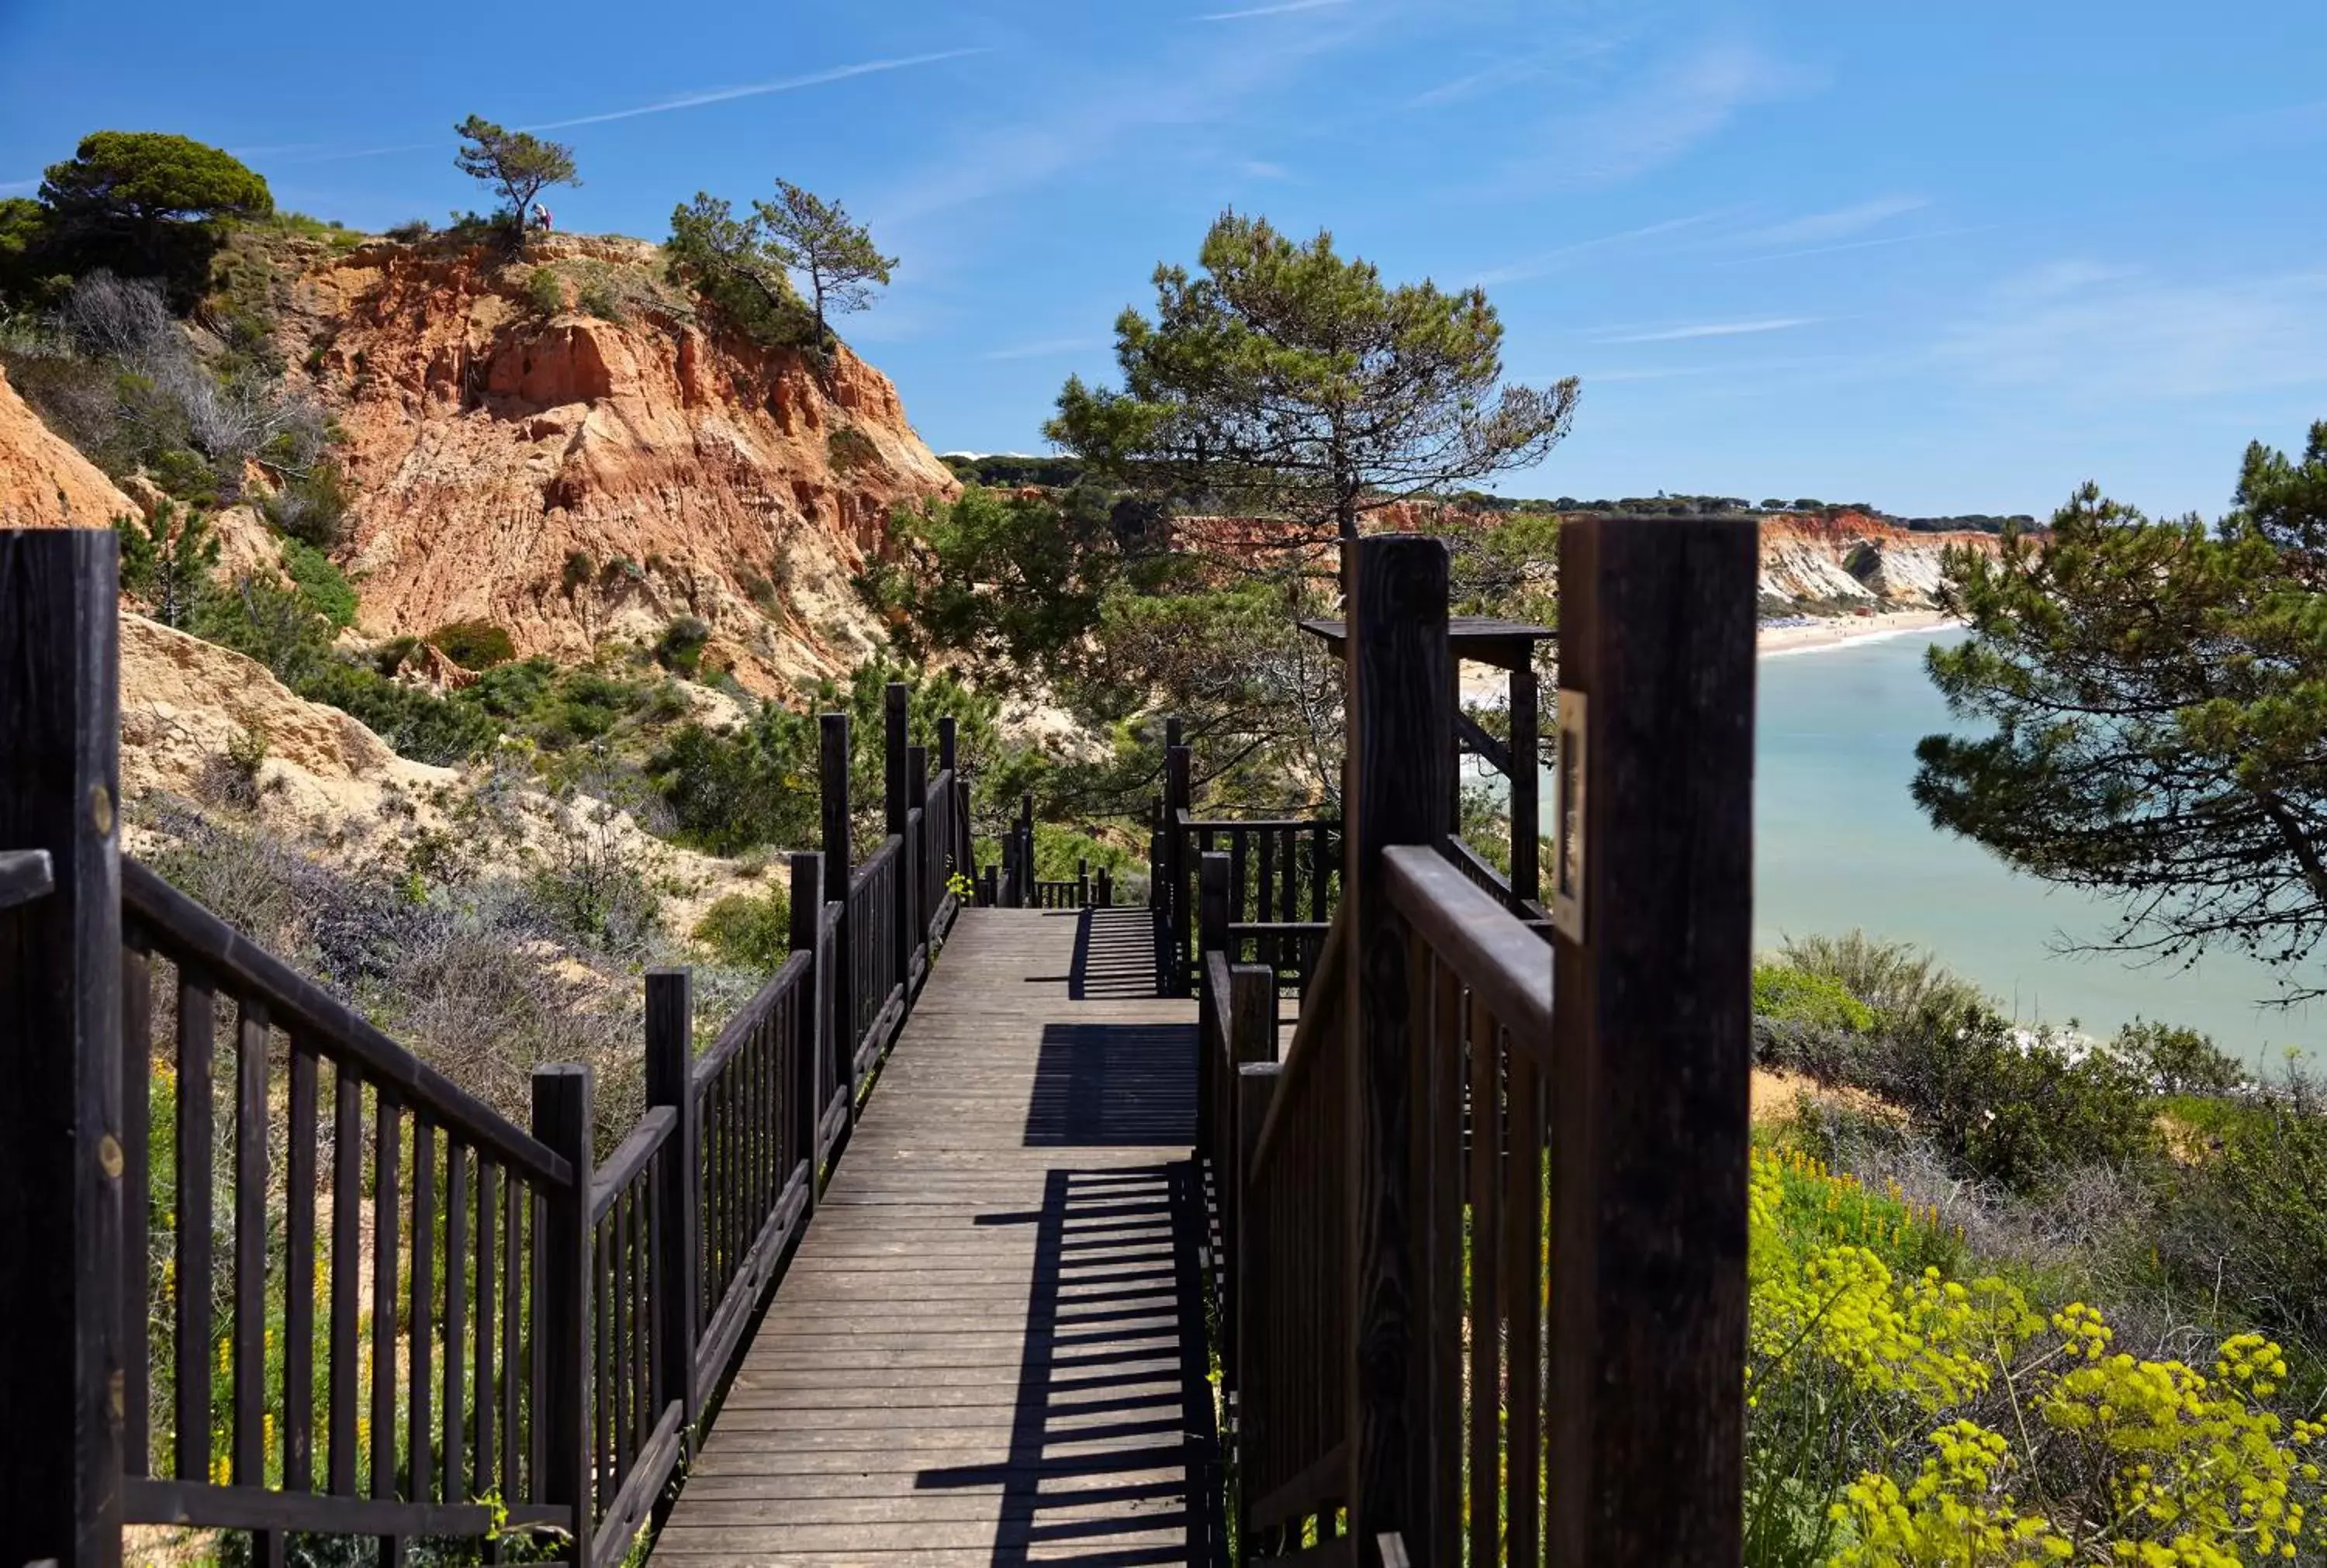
<point x="1306" y="1043"/>
<point x="747" y="1018"/>
<point x="1505" y="963"/>
<point x="180" y="928"/>
<point x="630" y="1158"/>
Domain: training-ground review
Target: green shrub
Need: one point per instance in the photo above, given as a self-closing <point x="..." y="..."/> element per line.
<point x="311" y="507"/>
<point x="474" y="644"/>
<point x="750" y="932"/>
<point x="681" y="646"/>
<point x="1792" y="995"/>
<point x="411" y="232"/>
<point x="579" y="569"/>
<point x="325" y="586"/>
<point x="2178" y="1061"/>
<point x="598" y="299"/>
<point x="1895" y="978"/>
<point x="389" y="656"/>
<point x="728" y="793"/>
<point x="545" y="291"/>
<point x="2012" y="1110"/>
<point x="849" y="448"/>
<point x="2245" y="1224"/>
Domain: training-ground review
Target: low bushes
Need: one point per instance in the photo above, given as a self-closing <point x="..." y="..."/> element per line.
<point x="749" y="931"/>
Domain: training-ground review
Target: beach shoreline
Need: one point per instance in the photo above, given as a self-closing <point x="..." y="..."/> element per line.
<point x="1487" y="686"/>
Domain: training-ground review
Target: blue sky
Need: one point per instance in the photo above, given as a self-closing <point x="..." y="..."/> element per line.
<point x="1939" y="259"/>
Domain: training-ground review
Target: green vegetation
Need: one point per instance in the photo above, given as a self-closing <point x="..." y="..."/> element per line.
<point x="729" y="264"/>
<point x="473" y="644"/>
<point x="2154" y="690"/>
<point x="749" y="932"/>
<point x="167" y="560"/>
<point x="1294" y="385"/>
<point x="815" y="238"/>
<point x="1797" y="997"/>
<point x="516" y="164"/>
<point x="312" y="506"/>
<point x="323" y="585"/>
<point x="680" y="647"/>
<point x="545" y="292"/>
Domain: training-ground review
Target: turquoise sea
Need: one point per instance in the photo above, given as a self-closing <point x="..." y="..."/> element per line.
<point x="1840" y="843"/>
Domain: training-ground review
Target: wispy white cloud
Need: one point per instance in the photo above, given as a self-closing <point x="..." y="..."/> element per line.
<point x="1915" y="237"/>
<point x="1502" y="74"/>
<point x="313" y="153"/>
<point x="1262" y="169"/>
<point x="1711" y="330"/>
<point x="1547" y="261"/>
<point x="1840" y="224"/>
<point x="2084" y="333"/>
<point x="698" y="100"/>
<point x="1045" y="349"/>
<point x="1660" y="116"/>
<point x="1276" y="10"/>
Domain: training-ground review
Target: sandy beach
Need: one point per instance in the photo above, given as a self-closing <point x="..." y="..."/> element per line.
<point x="1487" y="686"/>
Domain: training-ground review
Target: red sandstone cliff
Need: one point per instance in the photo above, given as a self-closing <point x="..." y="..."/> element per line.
<point x="574" y="479"/>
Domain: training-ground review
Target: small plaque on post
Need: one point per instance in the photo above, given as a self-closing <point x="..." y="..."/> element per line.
<point x="1567" y="861"/>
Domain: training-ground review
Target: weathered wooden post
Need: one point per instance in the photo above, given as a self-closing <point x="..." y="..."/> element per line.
<point x="811" y="1086"/>
<point x="1252" y="1040"/>
<point x="66" y="1321"/>
<point x="900" y="934"/>
<point x="957" y="849"/>
<point x="1082" y="882"/>
<point x="923" y="907"/>
<point x="1651" y="893"/>
<point x="1400" y="704"/>
<point x="833" y="787"/>
<point x="563" y="1118"/>
<point x="1212" y="936"/>
<point x="677" y="1198"/>
<point x="1106" y="887"/>
<point x="1177" y="762"/>
<point x="1028" y="880"/>
<point x="1527" y="785"/>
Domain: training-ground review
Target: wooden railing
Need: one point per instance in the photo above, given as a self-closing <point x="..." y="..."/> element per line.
<point x="1278" y="891"/>
<point x="1481" y="1237"/>
<point x="385" y="1310"/>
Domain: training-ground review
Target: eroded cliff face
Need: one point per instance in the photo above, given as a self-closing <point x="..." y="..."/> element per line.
<point x="44" y="483"/>
<point x="1852" y="559"/>
<point x="572" y="478"/>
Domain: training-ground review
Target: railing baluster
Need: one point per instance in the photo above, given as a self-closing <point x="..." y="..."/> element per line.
<point x="299" y="1274"/>
<point x="1523" y="1287"/>
<point x="457" y="1317"/>
<point x="347" y="1200"/>
<point x="251" y="1041"/>
<point x="601" y="1342"/>
<point x="420" y="1440"/>
<point x="514" y="1305"/>
<point x="197" y="1024"/>
<point x="619" y="1328"/>
<point x="483" y="1454"/>
<point x="386" y="1198"/>
<point x="1485" y="1191"/>
<point x="136" y="1197"/>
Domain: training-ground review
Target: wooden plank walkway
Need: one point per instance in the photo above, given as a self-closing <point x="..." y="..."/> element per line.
<point x="989" y="1346"/>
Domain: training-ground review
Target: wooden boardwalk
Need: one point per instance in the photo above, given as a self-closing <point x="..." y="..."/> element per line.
<point x="988" y="1348"/>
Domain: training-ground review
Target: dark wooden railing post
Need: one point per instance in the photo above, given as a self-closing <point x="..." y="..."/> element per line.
<point x="64" y="1314"/>
<point x="1177" y="761"/>
<point x="1252" y="1040"/>
<point x="917" y="798"/>
<point x="1400" y="704"/>
<point x="893" y="803"/>
<point x="832" y="782"/>
<point x="1212" y="936"/>
<point x="1652" y="877"/>
<point x="1527" y="786"/>
<point x="1031" y="896"/>
<point x="563" y="1118"/>
<point x="1105" y="891"/>
<point x="678" y="1206"/>
<point x="811" y="1051"/>
<point x="1082" y="882"/>
<point x="958" y="858"/>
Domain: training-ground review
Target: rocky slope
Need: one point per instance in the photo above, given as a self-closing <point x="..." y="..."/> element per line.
<point x="1849" y="560"/>
<point x="574" y="479"/>
<point x="44" y="483"/>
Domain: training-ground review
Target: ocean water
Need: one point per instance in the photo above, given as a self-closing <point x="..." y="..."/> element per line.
<point x="1839" y="843"/>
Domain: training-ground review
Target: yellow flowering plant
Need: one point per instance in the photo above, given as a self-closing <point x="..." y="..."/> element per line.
<point x="1902" y="1418"/>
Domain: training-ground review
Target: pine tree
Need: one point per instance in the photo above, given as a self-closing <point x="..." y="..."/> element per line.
<point x="169" y="563"/>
